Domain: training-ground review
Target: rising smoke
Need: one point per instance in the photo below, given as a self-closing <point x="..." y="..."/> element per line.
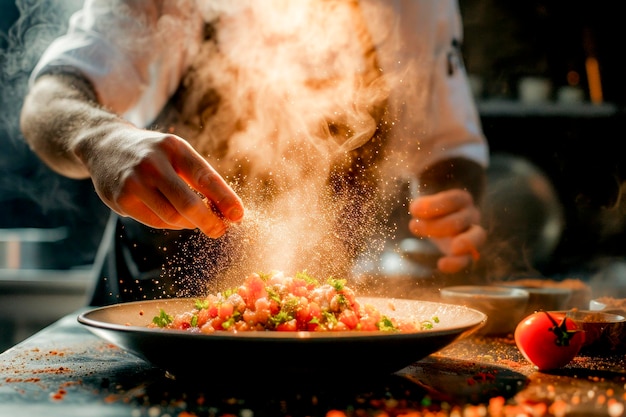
<point x="278" y="98"/>
<point x="298" y="93"/>
<point x="31" y="195"/>
<point x="36" y="23"/>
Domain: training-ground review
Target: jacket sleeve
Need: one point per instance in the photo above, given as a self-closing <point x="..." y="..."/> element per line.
<point x="436" y="111"/>
<point x="438" y="126"/>
<point x="455" y="125"/>
<point x="133" y="52"/>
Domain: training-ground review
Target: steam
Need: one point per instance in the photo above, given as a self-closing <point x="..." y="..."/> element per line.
<point x="31" y="194"/>
<point x="24" y="176"/>
<point x="294" y="79"/>
<point x="282" y="98"/>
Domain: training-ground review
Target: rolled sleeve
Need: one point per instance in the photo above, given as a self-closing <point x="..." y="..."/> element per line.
<point x="133" y="52"/>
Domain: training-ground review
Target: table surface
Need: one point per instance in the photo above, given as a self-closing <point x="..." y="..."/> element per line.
<point x="65" y="370"/>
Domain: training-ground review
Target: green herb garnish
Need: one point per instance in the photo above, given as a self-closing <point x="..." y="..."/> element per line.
<point x="163" y="319"/>
<point x="337" y="284"/>
<point x="307" y="278"/>
<point x="329" y="319"/>
<point x="386" y="325"/>
<point x="283" y="316"/>
<point x="272" y="294"/>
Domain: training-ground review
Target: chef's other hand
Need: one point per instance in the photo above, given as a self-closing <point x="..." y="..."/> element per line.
<point x="161" y="181"/>
<point x="452" y="221"/>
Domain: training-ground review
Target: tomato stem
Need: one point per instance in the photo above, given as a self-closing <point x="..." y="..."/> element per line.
<point x="560" y="330"/>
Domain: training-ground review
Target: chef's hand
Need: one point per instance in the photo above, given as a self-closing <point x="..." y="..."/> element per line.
<point x="160" y="180"/>
<point x="452" y="221"/>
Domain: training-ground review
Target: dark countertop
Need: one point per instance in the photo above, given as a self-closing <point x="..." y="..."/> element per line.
<point x="64" y="370"/>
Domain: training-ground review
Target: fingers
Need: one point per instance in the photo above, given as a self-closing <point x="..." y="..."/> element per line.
<point x="220" y="196"/>
<point x="201" y="176"/>
<point x="144" y="214"/>
<point x="440" y="204"/>
<point x="447" y="213"/>
<point x="462" y="250"/>
<point x="453" y="264"/>
<point x="449" y="225"/>
<point x="161" y="200"/>
<point x="165" y="185"/>
<point x="469" y="242"/>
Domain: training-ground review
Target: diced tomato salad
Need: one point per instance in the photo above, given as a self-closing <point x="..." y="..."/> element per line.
<point x="278" y="302"/>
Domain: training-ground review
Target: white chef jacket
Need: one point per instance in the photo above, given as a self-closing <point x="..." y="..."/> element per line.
<point x="135" y="71"/>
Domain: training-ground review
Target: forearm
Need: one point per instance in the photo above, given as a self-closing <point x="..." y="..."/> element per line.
<point x="61" y="119"/>
<point x="454" y="173"/>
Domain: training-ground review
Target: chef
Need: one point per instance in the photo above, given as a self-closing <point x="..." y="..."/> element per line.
<point x="232" y="136"/>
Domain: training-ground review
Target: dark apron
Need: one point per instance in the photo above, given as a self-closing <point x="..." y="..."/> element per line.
<point x="136" y="262"/>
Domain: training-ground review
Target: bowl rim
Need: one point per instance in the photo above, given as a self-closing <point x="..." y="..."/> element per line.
<point x="485" y="292"/>
<point x="611" y="318"/>
<point x="538" y="289"/>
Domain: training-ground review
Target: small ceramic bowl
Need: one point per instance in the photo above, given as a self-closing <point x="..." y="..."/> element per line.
<point x="604" y="332"/>
<point x="504" y="306"/>
<point x="543" y="298"/>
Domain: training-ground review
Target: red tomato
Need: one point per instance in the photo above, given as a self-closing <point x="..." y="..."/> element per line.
<point x="349" y="318"/>
<point x="288" y="326"/>
<point x="254" y="289"/>
<point x="548" y="340"/>
<point x="203" y="317"/>
<point x="225" y="310"/>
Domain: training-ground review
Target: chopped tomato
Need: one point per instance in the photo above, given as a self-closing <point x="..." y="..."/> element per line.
<point x="368" y="323"/>
<point x="279" y="302"/>
<point x="349" y="318"/>
<point x="225" y="310"/>
<point x="288" y="326"/>
<point x="203" y="317"/>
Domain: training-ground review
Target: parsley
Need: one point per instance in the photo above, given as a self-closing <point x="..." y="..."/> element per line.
<point x="272" y="294"/>
<point x="201" y="304"/>
<point x="330" y="319"/>
<point x="194" y="321"/>
<point x="307" y="278"/>
<point x="342" y="300"/>
<point x="291" y="305"/>
<point x="386" y="325"/>
<point x="283" y="316"/>
<point x="337" y="284"/>
<point x="264" y="276"/>
<point x="228" y="323"/>
<point x="228" y="292"/>
<point x="429" y="324"/>
<point x="163" y="319"/>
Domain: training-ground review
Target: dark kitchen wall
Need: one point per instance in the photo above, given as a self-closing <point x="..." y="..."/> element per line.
<point x="31" y="195"/>
<point x="505" y="41"/>
<point x="577" y="145"/>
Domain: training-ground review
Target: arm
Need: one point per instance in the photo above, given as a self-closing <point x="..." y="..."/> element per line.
<point x="151" y="176"/>
<point x="452" y="180"/>
<point x="448" y="211"/>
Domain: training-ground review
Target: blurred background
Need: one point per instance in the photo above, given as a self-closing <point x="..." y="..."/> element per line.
<point x="50" y="226"/>
<point x="548" y="78"/>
